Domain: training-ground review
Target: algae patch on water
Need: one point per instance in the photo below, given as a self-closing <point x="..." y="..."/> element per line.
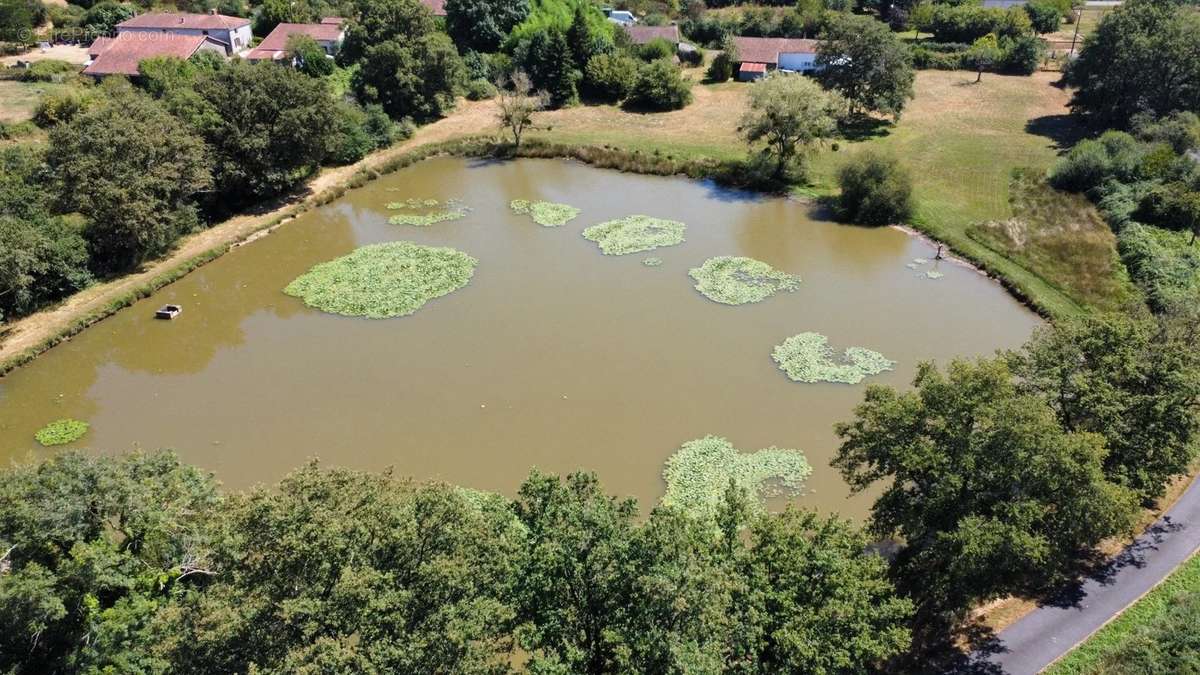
<point x="736" y="280"/>
<point x="633" y="234"/>
<point x="383" y="280"/>
<point x="807" y="357"/>
<point x="61" y="432"/>
<point x="652" y="262"/>
<point x="699" y="473"/>
<point x="434" y="212"/>
<point x="546" y="214"/>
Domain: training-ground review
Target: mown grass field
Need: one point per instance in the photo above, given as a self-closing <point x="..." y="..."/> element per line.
<point x="19" y="100"/>
<point x="1110" y="649"/>
<point x="962" y="142"/>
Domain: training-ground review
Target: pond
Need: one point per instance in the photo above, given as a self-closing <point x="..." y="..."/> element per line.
<point x="553" y="356"/>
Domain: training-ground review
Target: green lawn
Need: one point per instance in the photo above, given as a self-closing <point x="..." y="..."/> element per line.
<point x="19" y="100"/>
<point x="1134" y="641"/>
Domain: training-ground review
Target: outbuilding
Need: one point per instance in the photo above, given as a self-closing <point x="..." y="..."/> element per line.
<point x="231" y="31"/>
<point x="767" y="54"/>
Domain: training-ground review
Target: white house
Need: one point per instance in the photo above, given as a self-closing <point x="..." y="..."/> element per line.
<point x="757" y="56"/>
<point x="620" y="16"/>
<point x="231" y="31"/>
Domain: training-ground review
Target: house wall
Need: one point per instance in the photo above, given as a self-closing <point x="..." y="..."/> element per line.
<point x="238" y="39"/>
<point x="802" y="62"/>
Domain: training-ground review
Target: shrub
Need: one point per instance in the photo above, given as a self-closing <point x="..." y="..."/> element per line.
<point x="692" y="57"/>
<point x="658" y="48"/>
<point x="1082" y="169"/>
<point x="61" y="107"/>
<point x="876" y="190"/>
<point x="660" y="86"/>
<point x="1021" y="55"/>
<point x="721" y="68"/>
<point x="610" y="77"/>
<point x="350" y="141"/>
<point x="479" y="90"/>
<point x="49" y="70"/>
<point x="1045" y="16"/>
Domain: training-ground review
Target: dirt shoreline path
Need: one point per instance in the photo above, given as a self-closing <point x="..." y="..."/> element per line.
<point x="36" y="329"/>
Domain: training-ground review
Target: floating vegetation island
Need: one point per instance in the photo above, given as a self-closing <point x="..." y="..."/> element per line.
<point x="450" y="210"/>
<point x="736" y="280"/>
<point x="383" y="280"/>
<point x="652" y="262"/>
<point x="61" y="432"/>
<point x="546" y="214"/>
<point x="807" y="357"/>
<point x="633" y="234"/>
<point x="698" y="474"/>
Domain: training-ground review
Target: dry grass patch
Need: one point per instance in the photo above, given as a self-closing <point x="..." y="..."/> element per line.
<point x="1062" y="238"/>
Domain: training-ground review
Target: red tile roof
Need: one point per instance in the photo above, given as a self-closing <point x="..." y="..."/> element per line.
<point x="748" y="67"/>
<point x="127" y="50"/>
<point x="277" y="40"/>
<point x="767" y="50"/>
<point x="99" y="45"/>
<point x="166" y="20"/>
<point x="438" y="7"/>
<point x="640" y="35"/>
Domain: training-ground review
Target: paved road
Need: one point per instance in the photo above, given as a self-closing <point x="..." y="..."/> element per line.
<point x="1048" y="632"/>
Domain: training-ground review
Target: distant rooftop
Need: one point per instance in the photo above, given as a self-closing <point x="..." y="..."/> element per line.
<point x="167" y="20"/>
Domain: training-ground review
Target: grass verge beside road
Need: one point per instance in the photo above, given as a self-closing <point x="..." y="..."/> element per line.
<point x="1169" y="609"/>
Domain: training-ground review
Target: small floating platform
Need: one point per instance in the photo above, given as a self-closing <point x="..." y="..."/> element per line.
<point x="168" y="312"/>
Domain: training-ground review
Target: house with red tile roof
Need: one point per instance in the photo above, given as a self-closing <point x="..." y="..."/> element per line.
<point x="438" y="7"/>
<point x="232" y="31"/>
<point x="122" y="54"/>
<point x="330" y="34"/>
<point x="756" y="56"/>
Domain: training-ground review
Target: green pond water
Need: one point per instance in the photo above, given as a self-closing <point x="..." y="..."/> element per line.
<point x="554" y="356"/>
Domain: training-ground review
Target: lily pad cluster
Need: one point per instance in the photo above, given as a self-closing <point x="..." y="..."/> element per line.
<point x="633" y="234"/>
<point x="384" y="280"/>
<point x="652" y="261"/>
<point x="917" y="263"/>
<point x="733" y="280"/>
<point x="807" y="357"/>
<point x="699" y="473"/>
<point x="61" y="432"/>
<point x="546" y="214"/>
<point x="449" y="210"/>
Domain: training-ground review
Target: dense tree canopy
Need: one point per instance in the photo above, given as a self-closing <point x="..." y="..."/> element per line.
<point x="1135" y="382"/>
<point x="266" y="127"/>
<point x="1143" y="57"/>
<point x="381" y="20"/>
<point x="988" y="493"/>
<point x="138" y="565"/>
<point x="134" y="171"/>
<point x="414" y="78"/>
<point x="867" y="64"/>
<point x="482" y="25"/>
<point x="92" y="548"/>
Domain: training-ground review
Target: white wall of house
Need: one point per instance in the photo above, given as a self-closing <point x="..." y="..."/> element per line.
<point x="797" y="61"/>
<point x="238" y="39"/>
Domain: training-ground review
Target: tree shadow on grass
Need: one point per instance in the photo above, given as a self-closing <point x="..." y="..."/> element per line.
<point x="864" y="128"/>
<point x="1064" y="130"/>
